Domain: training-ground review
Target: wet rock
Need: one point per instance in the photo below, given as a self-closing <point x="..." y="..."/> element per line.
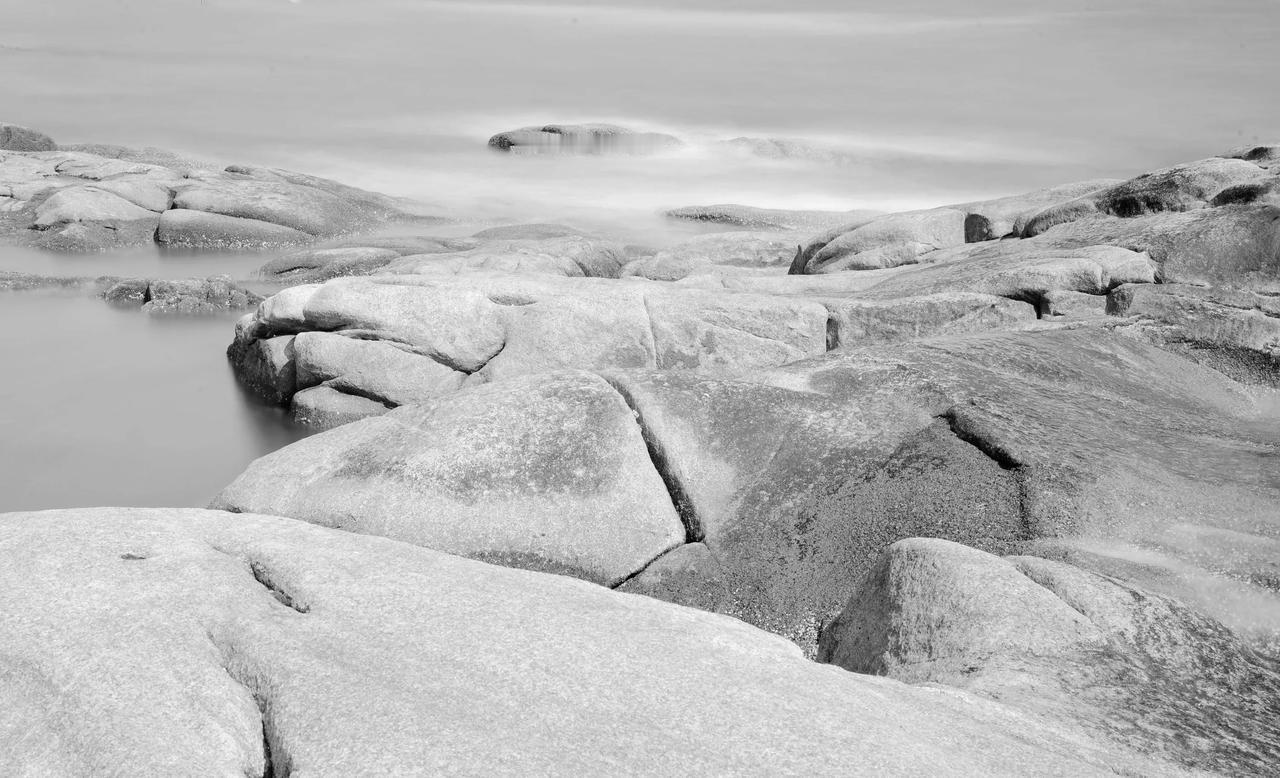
<point x="223" y="624"/>
<point x="1140" y="670"/>
<point x="14" y="137"/>
<point x="217" y="294"/>
<point x="549" y="473"/>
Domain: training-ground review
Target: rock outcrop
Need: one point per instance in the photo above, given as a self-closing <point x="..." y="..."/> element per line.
<point x="582" y="139"/>
<point x="93" y="198"/>
<point x="186" y="296"/>
<point x="172" y="642"/>
<point x="1140" y="670"/>
<point x="15" y="137"/>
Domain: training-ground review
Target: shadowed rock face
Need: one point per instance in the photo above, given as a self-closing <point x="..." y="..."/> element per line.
<point x="1143" y="671"/>
<point x="180" y="642"/>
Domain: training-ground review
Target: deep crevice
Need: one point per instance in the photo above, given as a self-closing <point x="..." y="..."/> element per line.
<point x="693" y="529"/>
<point x="965" y="431"/>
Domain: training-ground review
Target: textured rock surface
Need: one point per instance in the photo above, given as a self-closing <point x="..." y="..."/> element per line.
<point x="769" y="218"/>
<point x="185" y="296"/>
<point x="548" y="473"/>
<point x="204" y="643"/>
<point x="95" y="197"/>
<point x="1062" y="643"/>
<point x="15" y="137"/>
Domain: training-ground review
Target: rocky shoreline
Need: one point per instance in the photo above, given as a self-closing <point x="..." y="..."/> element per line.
<point x="999" y="478"/>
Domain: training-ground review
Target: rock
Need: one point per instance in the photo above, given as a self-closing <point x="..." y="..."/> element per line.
<point x="1235" y="332"/>
<point x="1076" y="305"/>
<point x="1021" y="270"/>
<point x="1265" y="156"/>
<point x="569" y="256"/>
<point x="223" y="623"/>
<point x="301" y="208"/>
<point x="857" y="322"/>
<point x="1178" y="188"/>
<point x="1235" y="246"/>
<point x="888" y="241"/>
<point x="529" y="232"/>
<point x="12" y="281"/>
<point x="746" y="249"/>
<point x="375" y="370"/>
<point x="1007" y="216"/>
<point x="210" y="230"/>
<point x="86" y="218"/>
<point x="582" y="139"/>
<point x="747" y="217"/>
<point x="179" y="163"/>
<point x="405" y="245"/>
<point x="503" y="326"/>
<point x="324" y="407"/>
<point x="547" y="473"/>
<point x="265" y="365"/>
<point x="1265" y="192"/>
<point x="932" y="608"/>
<point x="312" y="265"/>
<point x="190" y="296"/>
<point x="17" y="138"/>
<point x="1063" y="644"/>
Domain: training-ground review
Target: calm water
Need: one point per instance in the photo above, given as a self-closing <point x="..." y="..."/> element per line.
<point x="102" y="406"/>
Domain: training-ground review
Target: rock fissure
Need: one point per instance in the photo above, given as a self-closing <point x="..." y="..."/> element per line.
<point x="680" y="499"/>
<point x="263" y="576"/>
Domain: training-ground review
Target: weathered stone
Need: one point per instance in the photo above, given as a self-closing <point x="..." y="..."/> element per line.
<point x="751" y="218"/>
<point x="888" y="241"/>
<point x="324" y="407"/>
<point x="210" y="230"/>
<point x="302" y="208"/>
<point x="322" y="264"/>
<point x="548" y="472"/>
<point x="528" y="232"/>
<point x="372" y="369"/>
<point x="858" y="322"/>
<point x="1063" y="644"/>
<point x="1178" y="188"/>
<point x="566" y="256"/>
<point x="194" y="641"/>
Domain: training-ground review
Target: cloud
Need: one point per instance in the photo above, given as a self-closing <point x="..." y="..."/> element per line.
<point x="824" y="23"/>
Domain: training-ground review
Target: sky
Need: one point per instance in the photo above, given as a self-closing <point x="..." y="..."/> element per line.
<point x="944" y="100"/>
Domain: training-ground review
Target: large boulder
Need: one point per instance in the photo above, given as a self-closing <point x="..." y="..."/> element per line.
<point x="1061" y="643"/>
<point x="303" y="208"/>
<point x="887" y="241"/>
<point x="559" y="256"/>
<point x="88" y="218"/>
<point x="14" y="137"/>
<point x="550" y="473"/>
<point x="182" y="642"/>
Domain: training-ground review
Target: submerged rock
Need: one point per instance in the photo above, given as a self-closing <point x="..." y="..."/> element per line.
<point x="217" y="294"/>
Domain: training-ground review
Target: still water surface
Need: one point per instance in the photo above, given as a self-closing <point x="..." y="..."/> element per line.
<point x="107" y="406"/>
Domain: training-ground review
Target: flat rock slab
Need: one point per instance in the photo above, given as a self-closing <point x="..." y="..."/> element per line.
<point x="550" y="473"/>
<point x="184" y="642"/>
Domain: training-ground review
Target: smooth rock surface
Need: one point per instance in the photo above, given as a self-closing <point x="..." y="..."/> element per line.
<point x="182" y="642"/>
<point x="549" y="473"/>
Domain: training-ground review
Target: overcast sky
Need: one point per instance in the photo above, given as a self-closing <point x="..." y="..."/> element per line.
<point x="1091" y="87"/>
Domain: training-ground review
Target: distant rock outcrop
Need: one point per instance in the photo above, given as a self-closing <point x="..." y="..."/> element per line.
<point x="582" y="139"/>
